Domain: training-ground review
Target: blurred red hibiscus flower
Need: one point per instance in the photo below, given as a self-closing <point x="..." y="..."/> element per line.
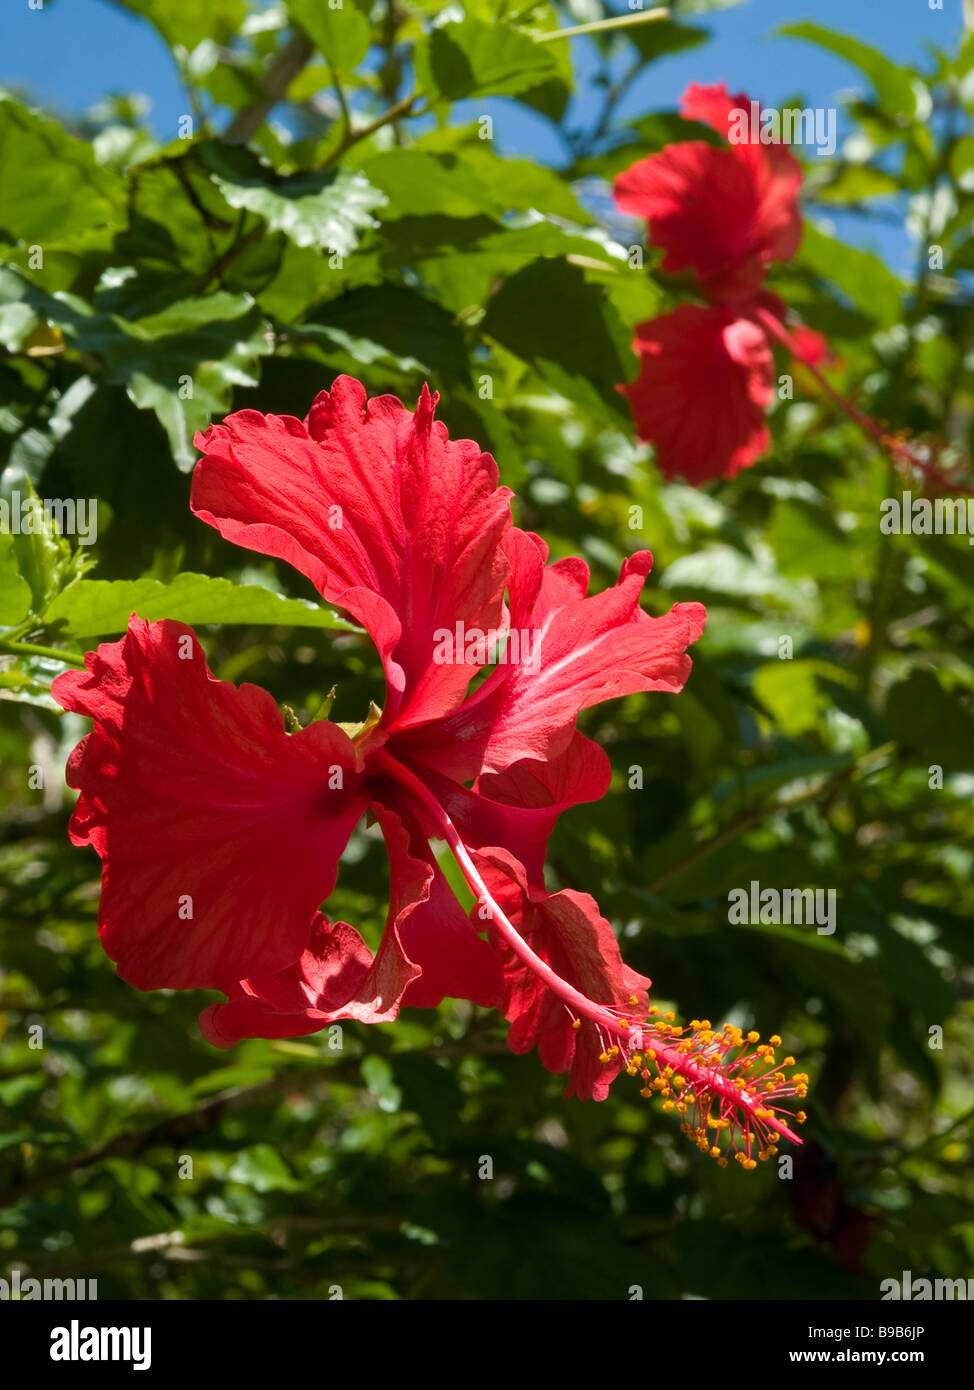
<point x="724" y="214"/>
<point x="220" y="833"/>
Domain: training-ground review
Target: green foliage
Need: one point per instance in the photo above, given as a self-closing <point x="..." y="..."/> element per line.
<point x="824" y="740"/>
<point x="93" y="607"/>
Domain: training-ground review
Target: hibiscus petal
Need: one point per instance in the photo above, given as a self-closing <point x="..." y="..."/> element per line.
<point x="724" y="213"/>
<point x="518" y="808"/>
<point x="812" y="347"/>
<point x="337" y="975"/>
<point x="302" y="999"/>
<point x="455" y="962"/>
<point x="683" y="355"/>
<point x="712" y="104"/>
<point x="389" y="518"/>
<point x="582" y="650"/>
<point x="567" y="931"/>
<point x="219" y="833"/>
<point x="455" y="746"/>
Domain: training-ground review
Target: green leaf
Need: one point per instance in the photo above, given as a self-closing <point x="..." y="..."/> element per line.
<point x="181" y="363"/>
<point x="393" y="325"/>
<point x="468" y="182"/>
<point x="261" y="1167"/>
<point x="789" y="691"/>
<point x="45" y="560"/>
<point x="851" y="183"/>
<point x="551" y="316"/>
<point x="473" y="58"/>
<point x="725" y="571"/>
<point x="51" y="188"/>
<point x="188" y="23"/>
<point x="200" y="346"/>
<point x="17" y="322"/>
<point x="861" y="276"/>
<point x="342" y="35"/>
<point x="895" y="86"/>
<point x="932" y="723"/>
<point x="378" y="1076"/>
<point x="327" y="210"/>
<point x="15" y="595"/>
<point x="416" y="184"/>
<point x="663" y="37"/>
<point x="521" y="185"/>
<point x="466" y="280"/>
<point x="94" y="607"/>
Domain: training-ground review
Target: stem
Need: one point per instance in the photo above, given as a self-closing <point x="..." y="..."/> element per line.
<point x="352" y="137"/>
<point x="599" y="26"/>
<point x="282" y="72"/>
<point x="776" y="328"/>
<point x="215" y="272"/>
<point x="447" y="831"/>
<point x="341" y="98"/>
<point x="631" y="1039"/>
<point x="51" y="653"/>
<point x="390" y="70"/>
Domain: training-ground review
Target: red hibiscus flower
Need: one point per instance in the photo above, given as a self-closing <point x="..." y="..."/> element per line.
<point x="220" y="833"/>
<point x="725" y="214"/>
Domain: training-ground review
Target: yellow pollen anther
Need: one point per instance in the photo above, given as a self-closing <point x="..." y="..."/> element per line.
<point x="753" y="1037"/>
<point x="576" y="1023"/>
<point x="774" y="1040"/>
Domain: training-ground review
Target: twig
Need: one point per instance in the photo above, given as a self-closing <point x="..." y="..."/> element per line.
<point x="282" y="72"/>
<point x="352" y="136"/>
<point x="50" y="653"/>
<point x="599" y="26"/>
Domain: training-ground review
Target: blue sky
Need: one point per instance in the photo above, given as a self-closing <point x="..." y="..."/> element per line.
<point x="72" y="52"/>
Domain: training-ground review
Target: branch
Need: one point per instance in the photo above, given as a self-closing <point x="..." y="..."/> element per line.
<point x="600" y="26"/>
<point x="352" y="137"/>
<point x="49" y="653"/>
<point x="282" y="72"/>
